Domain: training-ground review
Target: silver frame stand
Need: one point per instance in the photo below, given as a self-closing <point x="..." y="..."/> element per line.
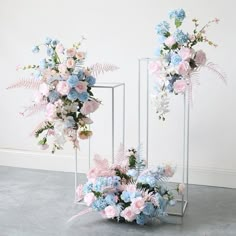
<point x="185" y="176"/>
<point x="111" y="86"/>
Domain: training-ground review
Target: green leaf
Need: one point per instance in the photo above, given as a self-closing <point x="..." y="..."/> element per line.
<point x="174" y="46"/>
<point x="167" y="34"/>
<point x="178" y="23"/>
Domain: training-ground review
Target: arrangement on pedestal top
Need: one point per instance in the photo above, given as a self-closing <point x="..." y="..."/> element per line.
<point x="177" y="61"/>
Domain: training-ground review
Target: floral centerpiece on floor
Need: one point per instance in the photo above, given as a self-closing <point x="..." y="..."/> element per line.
<point x="64" y="91"/>
<point x="177" y="59"/>
<point x="120" y="192"/>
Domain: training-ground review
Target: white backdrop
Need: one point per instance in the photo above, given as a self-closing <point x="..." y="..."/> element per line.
<point x="120" y="32"/>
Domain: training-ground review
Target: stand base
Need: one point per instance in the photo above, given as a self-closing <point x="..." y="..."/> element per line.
<point x="185" y="204"/>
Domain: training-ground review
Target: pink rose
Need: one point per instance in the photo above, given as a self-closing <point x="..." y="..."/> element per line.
<point x="180" y="86"/>
<point x="181" y="188"/>
<point x="81" y="87"/>
<point x="70" y="52"/>
<point x="80" y="55"/>
<point x="110" y="212"/>
<point x="70" y="63"/>
<point x="79" y="192"/>
<point x="200" y="58"/>
<point x="63" y="88"/>
<point x="137" y="205"/>
<point x="169" y="171"/>
<point x="62" y="68"/>
<point x="89" y="107"/>
<point x="155" y="67"/>
<point x="89" y="198"/>
<point x="185" y="53"/>
<point x="170" y="41"/>
<point x="59" y="48"/>
<point x="44" y="89"/>
<point x="183" y="68"/>
<point x="128" y="214"/>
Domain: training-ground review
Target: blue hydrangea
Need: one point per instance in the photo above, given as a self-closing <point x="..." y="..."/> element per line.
<point x="151" y="181"/>
<point x="175" y="59"/>
<point x="178" y="14"/>
<point x="73" y="95"/>
<point x="48" y="40"/>
<point x="149" y="209"/>
<point x="180" y="37"/>
<point x="87" y="188"/>
<point x="50" y="51"/>
<point x="99" y="205"/>
<point x="83" y="97"/>
<point x="73" y="81"/>
<point x="125" y="196"/>
<point x="43" y="64"/>
<point x="110" y="199"/>
<point x="162" y="28"/>
<point x="80" y="74"/>
<point x="141" y="219"/>
<point x="69" y="122"/>
<point x="161" y="39"/>
<point x="91" y="80"/>
<point x="35" y="49"/>
<point x="133" y="173"/>
<point x="53" y="96"/>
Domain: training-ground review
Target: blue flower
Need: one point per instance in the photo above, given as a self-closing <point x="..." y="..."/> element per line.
<point x="149" y="209"/>
<point x="161" y="39"/>
<point x="37" y="73"/>
<point x="69" y="122"/>
<point x="99" y="205"/>
<point x="110" y="199"/>
<point x="178" y="14"/>
<point x="53" y="96"/>
<point x="180" y="37"/>
<point x="87" y="188"/>
<point x="162" y="28"/>
<point x="73" y="81"/>
<point x="43" y="64"/>
<point x="175" y="59"/>
<point x="151" y="181"/>
<point x="54" y="42"/>
<point x="83" y="97"/>
<point x="125" y="196"/>
<point x="48" y="40"/>
<point x="157" y="52"/>
<point x="35" y="49"/>
<point x="50" y="51"/>
<point x="141" y="219"/>
<point x="80" y="74"/>
<point x="133" y="173"/>
<point x="91" y="80"/>
<point x="73" y="95"/>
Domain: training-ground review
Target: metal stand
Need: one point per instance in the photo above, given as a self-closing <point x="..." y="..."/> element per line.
<point x="184" y="199"/>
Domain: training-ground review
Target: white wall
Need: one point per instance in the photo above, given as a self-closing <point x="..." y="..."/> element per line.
<point x="121" y="32"/>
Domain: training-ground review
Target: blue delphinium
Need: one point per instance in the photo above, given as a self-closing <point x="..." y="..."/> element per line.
<point x="91" y="80"/>
<point x="83" y="97"/>
<point x="54" y="42"/>
<point x="141" y="219"/>
<point x="125" y="196"/>
<point x="99" y="204"/>
<point x="73" y="95"/>
<point x="73" y="81"/>
<point x="163" y="28"/>
<point x="175" y="59"/>
<point x="180" y="37"/>
<point x="69" y="122"/>
<point x="53" y="96"/>
<point x="50" y="51"/>
<point x="48" y="40"/>
<point x="178" y="14"/>
<point x="35" y="49"/>
<point x="149" y="209"/>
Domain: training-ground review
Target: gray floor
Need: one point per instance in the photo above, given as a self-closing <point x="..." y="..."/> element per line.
<point x="35" y="203"/>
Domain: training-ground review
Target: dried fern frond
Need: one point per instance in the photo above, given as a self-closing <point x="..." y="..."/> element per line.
<point x="99" y="68"/>
<point x="29" y="83"/>
<point x="215" y="68"/>
<point x="31" y="110"/>
<point x="100" y="163"/>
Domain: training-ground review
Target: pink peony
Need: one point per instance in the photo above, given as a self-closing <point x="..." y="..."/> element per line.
<point x="137" y="205"/>
<point x="89" y="107"/>
<point x="200" y="57"/>
<point x="169" y="171"/>
<point x="180" y="86"/>
<point x="79" y="192"/>
<point x="63" y="88"/>
<point x="70" y="52"/>
<point x="70" y="63"/>
<point x="181" y="188"/>
<point x="170" y="41"/>
<point x="185" y="53"/>
<point x="60" y="48"/>
<point x="183" y="68"/>
<point x="128" y="214"/>
<point x="44" y="89"/>
<point x="110" y="212"/>
<point x="89" y="198"/>
<point x="155" y="67"/>
<point x="81" y="87"/>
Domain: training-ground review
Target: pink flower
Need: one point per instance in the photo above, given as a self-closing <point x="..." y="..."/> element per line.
<point x="63" y="88"/>
<point x="89" y="198"/>
<point x="128" y="214"/>
<point x="170" y="41"/>
<point x="43" y="88"/>
<point x="87" y="120"/>
<point x="70" y="63"/>
<point x="185" y="53"/>
<point x="80" y="55"/>
<point x="87" y="72"/>
<point x="79" y="192"/>
<point x="155" y="67"/>
<point x="137" y="205"/>
<point x="70" y="52"/>
<point x="169" y="171"/>
<point x="110" y="212"/>
<point x="183" y="68"/>
<point x="180" y="86"/>
<point x="200" y="57"/>
<point x="81" y="87"/>
<point x="89" y="107"/>
<point x="131" y="188"/>
<point x="92" y="174"/>
<point x="62" y="68"/>
<point x="50" y="111"/>
<point x="60" y="48"/>
<point x="181" y="188"/>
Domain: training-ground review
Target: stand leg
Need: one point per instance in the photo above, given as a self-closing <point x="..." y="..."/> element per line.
<point x="76" y="174"/>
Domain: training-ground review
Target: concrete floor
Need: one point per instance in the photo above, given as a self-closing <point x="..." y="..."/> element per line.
<point x="35" y="203"/>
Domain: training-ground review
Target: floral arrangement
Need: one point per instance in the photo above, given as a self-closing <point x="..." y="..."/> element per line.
<point x="64" y="91"/>
<point x="177" y="61"/>
<point x="120" y="192"/>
